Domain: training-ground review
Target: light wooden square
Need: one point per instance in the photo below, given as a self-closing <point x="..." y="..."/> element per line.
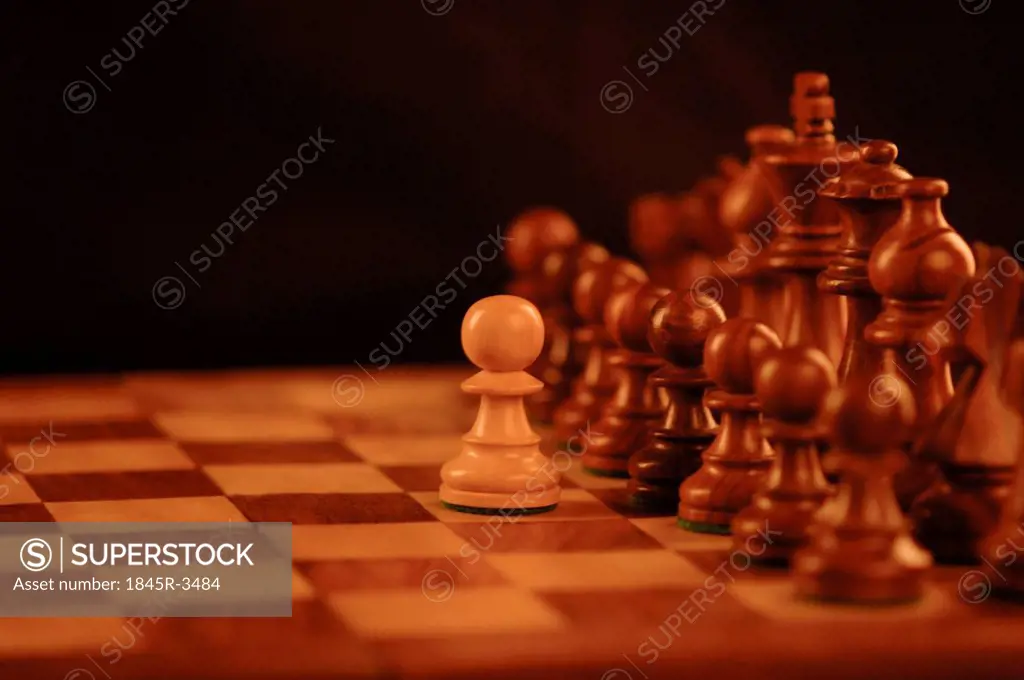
<point x="368" y="541"/>
<point x="405" y="449"/>
<point x="666" y="531"/>
<point x="596" y="571"/>
<point x="66" y="404"/>
<point x="15" y="489"/>
<point x="468" y="611"/>
<point x="588" y="481"/>
<point x="105" y="456"/>
<point x="777" y="600"/>
<point x="302" y="588"/>
<point x="26" y="637"/>
<point x="300" y="478"/>
<point x="197" y="509"/>
<point x="205" y="426"/>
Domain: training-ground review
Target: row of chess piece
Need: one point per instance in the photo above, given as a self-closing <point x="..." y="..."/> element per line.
<point x="843" y="307"/>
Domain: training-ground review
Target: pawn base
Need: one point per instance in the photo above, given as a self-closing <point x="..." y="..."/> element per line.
<point x="518" y="502"/>
<point x="504" y="512"/>
<point x="703" y="527"/>
<point x="715" y="494"/>
<point x="612" y="473"/>
<point x="772" y="530"/>
<point x="886" y="578"/>
<point x="654" y="497"/>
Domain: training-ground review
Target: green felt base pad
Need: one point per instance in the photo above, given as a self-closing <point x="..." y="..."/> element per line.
<point x="704" y="527"/>
<point x="506" y="512"/>
<point x="615" y="474"/>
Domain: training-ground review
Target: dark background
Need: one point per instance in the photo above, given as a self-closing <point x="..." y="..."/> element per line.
<point x="445" y="127"/>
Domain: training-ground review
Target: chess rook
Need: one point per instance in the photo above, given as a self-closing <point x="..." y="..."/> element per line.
<point x="501" y="469"/>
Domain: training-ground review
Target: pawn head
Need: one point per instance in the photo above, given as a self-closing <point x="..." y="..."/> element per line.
<point x="679" y="325"/>
<point x="502" y="333"/>
<point x="792" y="384"/>
<point x="735" y="350"/>
<point x="593" y="287"/>
<point x="628" y="312"/>
<point x="870" y="415"/>
<point x="560" y="268"/>
<point x="589" y="255"/>
<point x="653" y="231"/>
<point x="535" y="233"/>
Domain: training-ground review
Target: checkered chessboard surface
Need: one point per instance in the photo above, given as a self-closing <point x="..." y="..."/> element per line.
<point x="387" y="583"/>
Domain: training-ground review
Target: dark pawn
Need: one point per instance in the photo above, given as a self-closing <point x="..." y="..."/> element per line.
<point x="627" y="418"/>
<point x="596" y="384"/>
<point x="587" y="256"/>
<point x="791" y="386"/>
<point x="735" y="464"/>
<point x="677" y="331"/>
<point x="557" y="365"/>
<point x="536" y="250"/>
<point x="860" y="548"/>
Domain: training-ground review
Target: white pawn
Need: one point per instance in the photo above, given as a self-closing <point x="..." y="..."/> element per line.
<point x="501" y="469"/>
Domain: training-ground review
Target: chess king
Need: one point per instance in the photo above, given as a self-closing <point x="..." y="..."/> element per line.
<point x="501" y="469"/>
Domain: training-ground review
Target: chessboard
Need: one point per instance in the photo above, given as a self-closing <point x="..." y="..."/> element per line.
<point x="388" y="583"/>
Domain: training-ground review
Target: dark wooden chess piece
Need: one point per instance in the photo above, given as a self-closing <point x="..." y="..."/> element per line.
<point x="596" y="384"/>
<point x="737" y="461"/>
<point x="697" y="268"/>
<point x="809" y="228"/>
<point x="743" y="210"/>
<point x="586" y="256"/>
<point x="1002" y="550"/>
<point x="558" y="364"/>
<point x="917" y="267"/>
<point x="707" y="229"/>
<point x="791" y="385"/>
<point x="868" y="207"/>
<point x="978" y="441"/>
<point x="655" y="237"/>
<point x="678" y="328"/>
<point x="860" y="547"/>
<point x="538" y="246"/>
<point x="628" y="416"/>
<point x="531" y="236"/>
